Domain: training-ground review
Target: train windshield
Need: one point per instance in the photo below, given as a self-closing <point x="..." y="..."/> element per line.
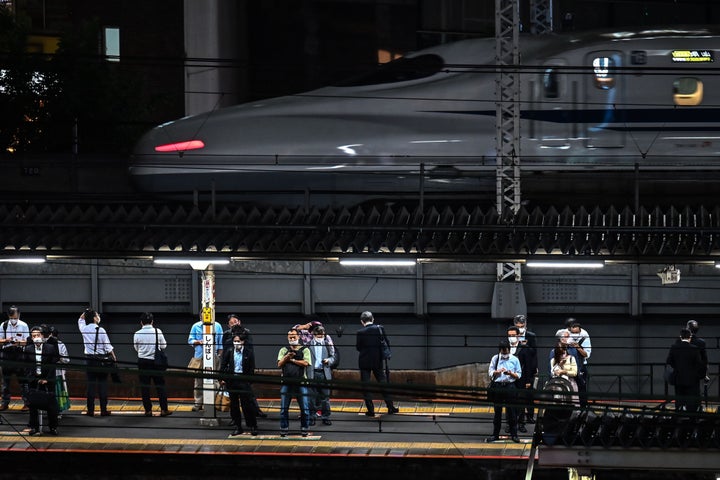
<point x="401" y="70"/>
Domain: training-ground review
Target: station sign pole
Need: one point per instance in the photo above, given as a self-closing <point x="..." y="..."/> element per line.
<point x="208" y="360"/>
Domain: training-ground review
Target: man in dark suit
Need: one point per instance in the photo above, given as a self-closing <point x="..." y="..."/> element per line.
<point x="236" y="365"/>
<point x="370" y="360"/>
<point x="41" y="359"/>
<point x="693" y="326"/>
<point x="686" y="361"/>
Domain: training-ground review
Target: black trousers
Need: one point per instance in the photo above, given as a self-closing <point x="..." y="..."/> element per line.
<point x="379" y="374"/>
<point x="504" y="396"/>
<point x="151" y="374"/>
<point x="241" y="403"/>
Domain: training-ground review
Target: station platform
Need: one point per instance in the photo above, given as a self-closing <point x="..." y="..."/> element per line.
<point x="446" y="434"/>
<point x="442" y="439"/>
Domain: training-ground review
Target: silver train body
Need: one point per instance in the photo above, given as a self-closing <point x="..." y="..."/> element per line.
<point x="427" y="122"/>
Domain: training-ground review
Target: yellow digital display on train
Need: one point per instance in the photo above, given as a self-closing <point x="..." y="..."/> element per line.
<point x="692" y="56"/>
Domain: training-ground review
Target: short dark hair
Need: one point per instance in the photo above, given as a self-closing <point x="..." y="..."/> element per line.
<point x="240" y="336"/>
<point x="36" y="328"/>
<point x="514" y="328"/>
<point x="693" y="326"/>
<point x="685" y="333"/>
<point x="503" y="345"/>
<point x="233" y="315"/>
<point x="146" y="318"/>
<point x="13" y="310"/>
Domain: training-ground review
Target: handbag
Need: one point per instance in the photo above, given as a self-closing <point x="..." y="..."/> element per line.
<point x="104" y="360"/>
<point x="222" y="401"/>
<point x="161" y="360"/>
<point x="61" y="394"/>
<point x="41" y="399"/>
<point x="384" y="345"/>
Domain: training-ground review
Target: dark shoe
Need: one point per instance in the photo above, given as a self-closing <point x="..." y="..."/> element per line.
<point x="106" y="413"/>
<point x="327" y="421"/>
<point x="148" y="413"/>
<point x="283" y="433"/>
<point x="197" y="408"/>
<point x="236" y="432"/>
<point x="522" y="429"/>
<point x="253" y="431"/>
<point x="304" y="433"/>
<point x="515" y="439"/>
<point x="89" y="413"/>
<point x="261" y="414"/>
<point x="392" y="410"/>
<point x="165" y="413"/>
<point x="33" y="432"/>
<point x="494" y="438"/>
<point x="53" y="431"/>
<point x="370" y="414"/>
<point x="25" y="408"/>
<point x="530" y="420"/>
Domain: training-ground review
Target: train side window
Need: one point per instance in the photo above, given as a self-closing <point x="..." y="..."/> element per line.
<point x="603" y="73"/>
<point x="687" y="91"/>
<point x="551" y="83"/>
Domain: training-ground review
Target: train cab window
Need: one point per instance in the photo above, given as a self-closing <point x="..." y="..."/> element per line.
<point x="551" y="83"/>
<point x="687" y="91"/>
<point x="603" y="72"/>
<point x="401" y="70"/>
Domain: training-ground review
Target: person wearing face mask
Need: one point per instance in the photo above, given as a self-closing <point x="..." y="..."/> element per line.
<point x="294" y="360"/>
<point x="15" y="334"/>
<point x="504" y="371"/>
<point x="95" y="343"/>
<point x="237" y="367"/>
<point x="41" y="359"/>
<point x="529" y="366"/>
<point x="520" y="321"/>
<point x="323" y="355"/>
<point x="563" y="364"/>
<point x="145" y="341"/>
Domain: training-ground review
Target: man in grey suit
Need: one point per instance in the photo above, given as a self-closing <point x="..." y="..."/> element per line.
<point x="323" y="357"/>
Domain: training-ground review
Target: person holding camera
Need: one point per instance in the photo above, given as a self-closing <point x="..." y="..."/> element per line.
<point x="15" y="334"/>
<point x="294" y="360"/>
<point x="96" y="344"/>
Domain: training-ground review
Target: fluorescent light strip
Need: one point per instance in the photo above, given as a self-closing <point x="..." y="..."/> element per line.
<point x="564" y="264"/>
<point x="23" y="260"/>
<point x="377" y="263"/>
<point x="195" y="263"/>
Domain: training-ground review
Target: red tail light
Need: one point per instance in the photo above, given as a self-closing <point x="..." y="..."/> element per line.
<point x="181" y="146"/>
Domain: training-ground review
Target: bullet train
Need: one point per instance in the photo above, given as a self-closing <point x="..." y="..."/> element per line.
<point x="426" y="123"/>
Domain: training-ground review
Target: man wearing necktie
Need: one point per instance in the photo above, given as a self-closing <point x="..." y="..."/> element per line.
<point x="237" y="366"/>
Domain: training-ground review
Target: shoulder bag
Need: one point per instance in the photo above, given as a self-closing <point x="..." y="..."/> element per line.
<point x="161" y="360"/>
<point x="384" y="344"/>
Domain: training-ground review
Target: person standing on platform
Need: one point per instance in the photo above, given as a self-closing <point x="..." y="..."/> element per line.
<point x="61" y="392"/>
<point x="370" y="360"/>
<point x="15" y="334"/>
<point x="195" y="340"/>
<point x="323" y="356"/>
<point x="529" y="366"/>
<point x="95" y="342"/>
<point x="526" y="414"/>
<point x="504" y="371"/>
<point x="41" y="359"/>
<point x="686" y="361"/>
<point x="145" y="341"/>
<point x="235" y="327"/>
<point x="294" y="361"/>
<point x="237" y="365"/>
